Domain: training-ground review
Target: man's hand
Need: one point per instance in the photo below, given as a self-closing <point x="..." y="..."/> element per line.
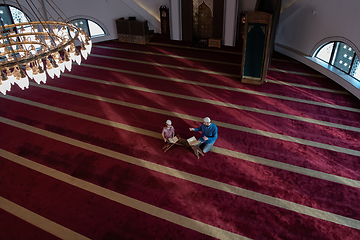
<point x="191" y="129"/>
<point x="205" y="138"/>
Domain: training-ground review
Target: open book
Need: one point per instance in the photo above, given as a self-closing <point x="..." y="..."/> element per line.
<point x="173" y="140"/>
<point x="193" y="141"/>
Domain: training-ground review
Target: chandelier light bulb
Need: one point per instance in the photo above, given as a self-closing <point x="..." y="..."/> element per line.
<point x="82" y="35"/>
<point x="36" y="79"/>
<point x="51" y="72"/>
<point x="61" y="65"/>
<point x="29" y="71"/>
<point x="20" y="78"/>
<point x="72" y="56"/>
<point x="63" y="31"/>
<point x="77" y="57"/>
<point x="68" y="65"/>
<point x="47" y="41"/>
<point x="40" y="64"/>
<point x="67" y="62"/>
<point x="49" y="68"/>
<point x="35" y="73"/>
<point x="57" y="72"/>
<point x="56" y="69"/>
<point x="10" y="76"/>
<point x="72" y="33"/>
<point x="33" y="50"/>
<point x="16" y="73"/>
<point x="5" y="84"/>
<point x="55" y="30"/>
<point x="23" y="82"/>
<point x="84" y="52"/>
<point x="90" y="44"/>
<point x="40" y="76"/>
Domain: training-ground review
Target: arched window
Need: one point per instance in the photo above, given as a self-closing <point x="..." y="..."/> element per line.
<point x="11" y="15"/>
<point x="341" y="56"/>
<point x="92" y="28"/>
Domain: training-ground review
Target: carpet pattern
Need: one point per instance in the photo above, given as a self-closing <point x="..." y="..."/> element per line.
<point x="81" y="158"/>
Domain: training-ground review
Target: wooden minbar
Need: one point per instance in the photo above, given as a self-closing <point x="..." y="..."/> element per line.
<point x="132" y="31"/>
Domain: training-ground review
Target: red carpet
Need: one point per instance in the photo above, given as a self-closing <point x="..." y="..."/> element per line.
<point x="273" y="123"/>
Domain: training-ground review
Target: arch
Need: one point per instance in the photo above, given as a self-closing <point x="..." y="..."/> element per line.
<point x="344" y="55"/>
<point x="333" y="39"/>
<point x="205" y="21"/>
<point x="14" y="4"/>
<point x="106" y="31"/>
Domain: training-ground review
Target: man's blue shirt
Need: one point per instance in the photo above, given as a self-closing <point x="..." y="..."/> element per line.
<point x="211" y="132"/>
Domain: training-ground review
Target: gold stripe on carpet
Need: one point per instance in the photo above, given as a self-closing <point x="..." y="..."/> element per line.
<point x="219" y="87"/>
<point x="204" y="60"/>
<point x="227" y="63"/>
<point x="193" y="48"/>
<point x="242" y="156"/>
<point x="169" y="55"/>
<point x="167" y="65"/>
<point x="117" y="197"/>
<point x="33" y="218"/>
<point x="220" y="124"/>
<point x="298" y="73"/>
<point x="218" y="103"/>
<point x="158" y="212"/>
<point x="307" y="87"/>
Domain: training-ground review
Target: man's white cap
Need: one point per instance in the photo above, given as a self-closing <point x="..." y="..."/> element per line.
<point x="207" y="119"/>
<point x="168" y="122"/>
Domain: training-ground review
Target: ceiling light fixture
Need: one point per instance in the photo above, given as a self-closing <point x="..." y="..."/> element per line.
<point x="29" y="49"/>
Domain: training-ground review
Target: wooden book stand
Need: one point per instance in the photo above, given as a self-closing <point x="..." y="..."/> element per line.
<point x="184" y="143"/>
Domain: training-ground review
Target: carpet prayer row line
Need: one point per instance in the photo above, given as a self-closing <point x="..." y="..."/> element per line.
<point x="145" y="190"/>
<point x="277" y="64"/>
<point x="158" y="73"/>
<point x="210" y="97"/>
<point x="158" y="115"/>
<point x="104" y="142"/>
<point x="251" y="98"/>
<point x="217" y="62"/>
<point x="87" y="117"/>
<point x="27" y="116"/>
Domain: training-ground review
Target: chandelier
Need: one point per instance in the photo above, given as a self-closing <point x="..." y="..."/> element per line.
<point x="29" y="50"/>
